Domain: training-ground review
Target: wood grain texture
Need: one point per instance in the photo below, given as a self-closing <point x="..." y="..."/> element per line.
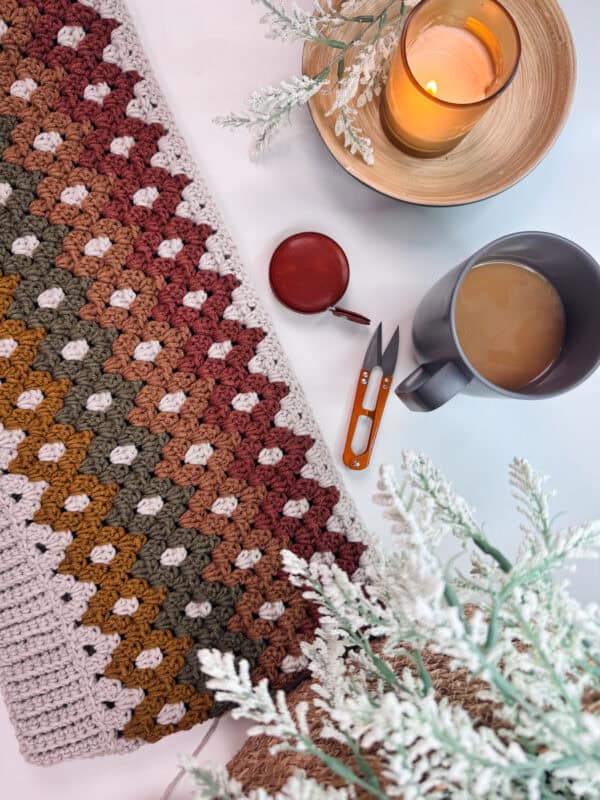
<point x="505" y="145"/>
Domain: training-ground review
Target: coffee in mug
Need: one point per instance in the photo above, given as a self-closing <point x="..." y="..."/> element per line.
<point x="510" y="323"/>
<point x="518" y="319"/>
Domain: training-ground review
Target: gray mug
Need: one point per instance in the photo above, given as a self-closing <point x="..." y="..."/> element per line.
<point x="445" y="370"/>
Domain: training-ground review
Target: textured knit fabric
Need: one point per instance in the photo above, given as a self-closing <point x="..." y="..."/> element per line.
<point x="156" y="453"/>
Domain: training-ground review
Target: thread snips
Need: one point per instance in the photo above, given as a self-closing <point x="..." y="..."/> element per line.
<point x="386" y="360"/>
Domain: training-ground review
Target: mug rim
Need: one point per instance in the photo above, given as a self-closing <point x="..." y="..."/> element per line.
<point x="474" y="261"/>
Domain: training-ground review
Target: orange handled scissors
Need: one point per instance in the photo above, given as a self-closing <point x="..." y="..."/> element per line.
<point x="374" y="358"/>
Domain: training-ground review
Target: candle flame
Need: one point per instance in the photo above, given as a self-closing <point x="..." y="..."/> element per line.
<point x="432" y="88"/>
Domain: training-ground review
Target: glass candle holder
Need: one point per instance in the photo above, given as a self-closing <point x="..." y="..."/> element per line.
<point x="454" y="59"/>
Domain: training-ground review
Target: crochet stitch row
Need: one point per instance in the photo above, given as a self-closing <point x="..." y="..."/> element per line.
<point x="156" y="454"/>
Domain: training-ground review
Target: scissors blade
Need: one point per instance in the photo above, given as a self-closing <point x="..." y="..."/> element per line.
<point x="390" y="357"/>
<point x="373" y="354"/>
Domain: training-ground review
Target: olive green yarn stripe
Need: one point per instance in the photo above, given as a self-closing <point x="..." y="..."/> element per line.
<point x="111" y="429"/>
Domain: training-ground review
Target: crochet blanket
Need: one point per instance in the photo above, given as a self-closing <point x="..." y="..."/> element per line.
<point x="156" y="453"/>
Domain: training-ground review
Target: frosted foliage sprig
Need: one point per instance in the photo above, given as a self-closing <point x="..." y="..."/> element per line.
<point x="534" y="648"/>
<point x="354" y="76"/>
<point x="271" y="107"/>
<point x="292" y="22"/>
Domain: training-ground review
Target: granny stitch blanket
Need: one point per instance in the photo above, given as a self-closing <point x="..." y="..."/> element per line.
<point x="156" y="454"/>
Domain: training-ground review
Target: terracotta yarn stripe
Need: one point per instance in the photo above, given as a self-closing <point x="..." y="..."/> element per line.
<point x="156" y="453"/>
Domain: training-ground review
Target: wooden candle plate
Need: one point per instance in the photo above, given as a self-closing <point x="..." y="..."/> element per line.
<point x="505" y="145"/>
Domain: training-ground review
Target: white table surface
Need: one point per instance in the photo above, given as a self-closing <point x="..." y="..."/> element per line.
<point x="208" y="57"/>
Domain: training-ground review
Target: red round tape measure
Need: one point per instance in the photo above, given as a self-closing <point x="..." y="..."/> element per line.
<point x="309" y="273"/>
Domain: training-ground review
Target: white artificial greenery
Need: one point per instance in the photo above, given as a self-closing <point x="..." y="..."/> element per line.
<point x="513" y="625"/>
<point x="354" y="76"/>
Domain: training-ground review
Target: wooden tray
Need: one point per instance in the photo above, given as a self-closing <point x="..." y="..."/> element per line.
<point x="505" y="145"/>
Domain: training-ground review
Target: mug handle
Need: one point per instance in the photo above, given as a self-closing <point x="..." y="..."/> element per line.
<point x="432" y="385"/>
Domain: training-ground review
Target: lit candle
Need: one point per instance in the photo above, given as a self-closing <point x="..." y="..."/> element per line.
<point x="454" y="59"/>
<point x="452" y="64"/>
